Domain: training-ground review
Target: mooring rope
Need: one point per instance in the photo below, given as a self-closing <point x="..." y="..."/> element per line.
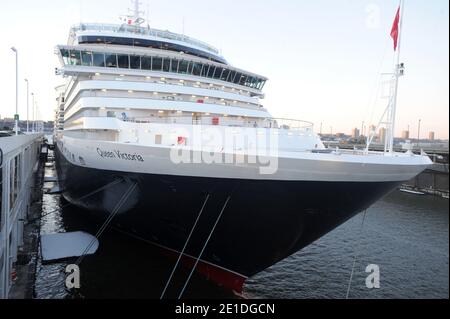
<point x="119" y="204"/>
<point x="204" y="247"/>
<point x="184" y="247"/>
<point x="355" y="255"/>
<point x="81" y="198"/>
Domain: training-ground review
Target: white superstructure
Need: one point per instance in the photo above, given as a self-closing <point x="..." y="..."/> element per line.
<point x="130" y="85"/>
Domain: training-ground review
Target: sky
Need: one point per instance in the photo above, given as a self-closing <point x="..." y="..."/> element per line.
<point x="323" y="58"/>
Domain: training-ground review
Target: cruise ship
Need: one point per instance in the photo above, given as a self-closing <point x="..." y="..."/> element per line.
<point x="157" y="133"/>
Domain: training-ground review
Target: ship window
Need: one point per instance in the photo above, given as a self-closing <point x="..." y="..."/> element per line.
<point x="123" y="61"/>
<point x="99" y="59"/>
<point x="262" y="84"/>
<point x="249" y="81"/>
<point x="218" y="72"/>
<point x="255" y="82"/>
<point x="174" y="66"/>
<point x="65" y="55"/>
<point x="75" y="57"/>
<point x="157" y="64"/>
<point x="225" y="74"/>
<point x="232" y="76"/>
<point x="237" y="78"/>
<point x="211" y="71"/>
<point x="166" y="65"/>
<point x="205" y="70"/>
<point x="111" y="60"/>
<point x="190" y="67"/>
<point x="86" y="58"/>
<point x="146" y="63"/>
<point x="243" y="79"/>
<point x="197" y="68"/>
<point x="182" y="68"/>
<point x="135" y="62"/>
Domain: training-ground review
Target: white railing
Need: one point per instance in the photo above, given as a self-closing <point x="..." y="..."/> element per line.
<point x="131" y="29"/>
<point x="274" y="123"/>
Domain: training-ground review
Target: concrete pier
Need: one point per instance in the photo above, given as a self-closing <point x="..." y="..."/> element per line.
<point x="20" y="192"/>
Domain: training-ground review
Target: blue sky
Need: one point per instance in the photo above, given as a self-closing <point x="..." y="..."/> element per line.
<point x="323" y="57"/>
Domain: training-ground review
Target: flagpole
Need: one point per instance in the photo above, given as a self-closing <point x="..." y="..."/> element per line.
<point x="397" y="74"/>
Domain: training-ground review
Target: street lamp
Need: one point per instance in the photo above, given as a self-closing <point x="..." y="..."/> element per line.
<point x="16" y="116"/>
<point x="28" y="95"/>
<point x="32" y="103"/>
<point x="418" y="134"/>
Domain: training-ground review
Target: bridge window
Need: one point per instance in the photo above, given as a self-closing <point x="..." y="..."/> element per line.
<point x="86" y="58"/>
<point x="205" y="70"/>
<point x="146" y="63"/>
<point x="196" y="69"/>
<point x="99" y="59"/>
<point x="237" y="78"/>
<point x="75" y="57"/>
<point x="225" y="74"/>
<point x="182" y="68"/>
<point x="231" y="76"/>
<point x="211" y="71"/>
<point x="123" y="61"/>
<point x="166" y="65"/>
<point x="157" y="64"/>
<point x="218" y="72"/>
<point x="135" y="62"/>
<point x="111" y="60"/>
<point x="65" y="55"/>
<point x="174" y="66"/>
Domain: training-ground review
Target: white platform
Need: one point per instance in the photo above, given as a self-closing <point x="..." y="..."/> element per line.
<point x="66" y="245"/>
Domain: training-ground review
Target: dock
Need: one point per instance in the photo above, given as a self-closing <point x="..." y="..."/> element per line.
<point x="21" y="175"/>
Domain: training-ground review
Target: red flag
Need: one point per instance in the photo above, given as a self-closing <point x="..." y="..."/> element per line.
<point x="394" y="30"/>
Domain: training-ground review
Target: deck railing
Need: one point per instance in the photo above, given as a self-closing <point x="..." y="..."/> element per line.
<point x="274" y="123"/>
<point x="144" y="31"/>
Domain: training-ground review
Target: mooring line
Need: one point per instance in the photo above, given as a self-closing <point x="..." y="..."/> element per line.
<point x="119" y="204"/>
<point x="81" y="198"/>
<point x="184" y="247"/>
<point x="204" y="247"/>
<point x="356" y="255"/>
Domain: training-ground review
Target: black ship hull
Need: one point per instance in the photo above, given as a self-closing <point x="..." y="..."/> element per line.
<point x="263" y="222"/>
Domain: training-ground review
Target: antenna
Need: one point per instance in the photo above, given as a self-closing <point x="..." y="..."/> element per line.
<point x="390" y="111"/>
<point x="134" y="15"/>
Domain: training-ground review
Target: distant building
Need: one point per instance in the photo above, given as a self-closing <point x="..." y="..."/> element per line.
<point x="372" y="130"/>
<point x="340" y="135"/>
<point x="431" y="136"/>
<point x="382" y="135"/>
<point x="355" y="133"/>
<point x="405" y="135"/>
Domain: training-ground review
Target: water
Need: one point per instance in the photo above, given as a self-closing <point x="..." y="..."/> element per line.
<point x="405" y="235"/>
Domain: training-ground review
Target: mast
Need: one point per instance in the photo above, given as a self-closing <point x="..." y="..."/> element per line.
<point x="398" y="72"/>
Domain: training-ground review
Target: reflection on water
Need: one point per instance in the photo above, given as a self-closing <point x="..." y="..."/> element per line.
<point x="406" y="235"/>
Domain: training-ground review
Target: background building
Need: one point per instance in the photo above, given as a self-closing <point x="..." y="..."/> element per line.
<point x="405" y="135"/>
<point x="382" y="135"/>
<point x="431" y="136"/>
<point x="355" y="133"/>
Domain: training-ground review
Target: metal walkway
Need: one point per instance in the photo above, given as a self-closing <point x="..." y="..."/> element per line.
<point x="19" y="156"/>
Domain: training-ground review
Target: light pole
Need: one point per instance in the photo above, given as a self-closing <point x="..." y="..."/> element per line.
<point x="418" y="134"/>
<point x="28" y="95"/>
<point x="16" y="116"/>
<point x="32" y="103"/>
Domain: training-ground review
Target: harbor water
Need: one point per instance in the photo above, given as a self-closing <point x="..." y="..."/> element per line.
<point x="405" y="235"/>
